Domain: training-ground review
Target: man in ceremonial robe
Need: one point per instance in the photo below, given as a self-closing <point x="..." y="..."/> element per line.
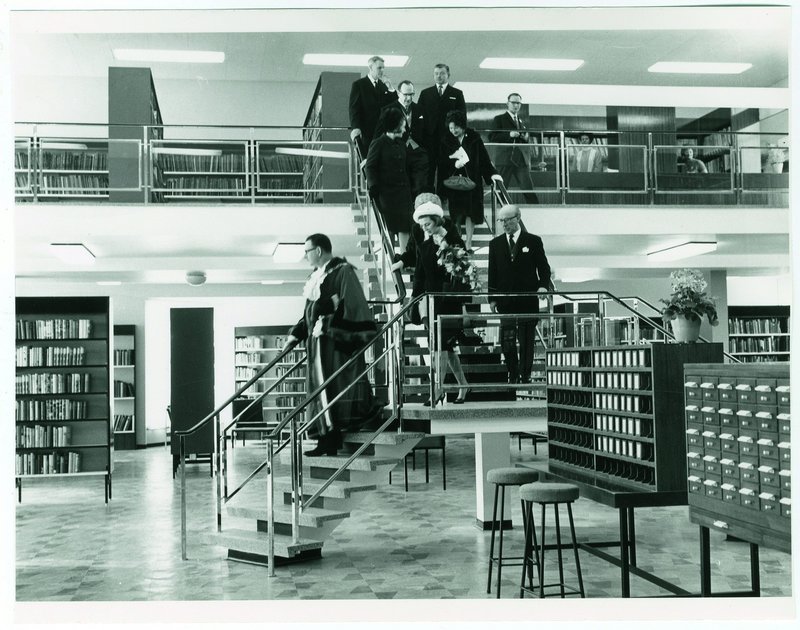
<point x="336" y="324"/>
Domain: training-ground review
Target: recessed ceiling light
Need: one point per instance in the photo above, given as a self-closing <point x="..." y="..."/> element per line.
<point x="170" y="56"/>
<point x="196" y="278"/>
<point x="684" y="250"/>
<point x="527" y="63"/>
<point x="360" y="61"/>
<point x="289" y="252"/>
<point x="109" y="283"/>
<point x="272" y="282"/>
<point x="73" y="253"/>
<point x="699" y="67"/>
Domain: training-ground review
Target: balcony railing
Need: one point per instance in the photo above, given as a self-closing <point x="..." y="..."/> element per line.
<point x="195" y="164"/>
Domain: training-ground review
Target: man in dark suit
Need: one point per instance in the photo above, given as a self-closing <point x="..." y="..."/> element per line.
<point x="517" y="264"/>
<point x="513" y="162"/>
<point x="368" y="96"/>
<point x="436" y="101"/>
<point x="416" y="155"/>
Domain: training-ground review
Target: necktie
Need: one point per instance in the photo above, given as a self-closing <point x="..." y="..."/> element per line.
<point x="516" y="122"/>
<point x="511" y="244"/>
<point x="441" y="90"/>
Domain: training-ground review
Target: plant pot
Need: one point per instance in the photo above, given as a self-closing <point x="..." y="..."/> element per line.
<point x="776" y="167"/>
<point x="686" y="330"/>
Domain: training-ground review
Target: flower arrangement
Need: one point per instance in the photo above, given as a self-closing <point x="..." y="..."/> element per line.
<point x="457" y="263"/>
<point x="776" y="155"/>
<point x="689" y="298"/>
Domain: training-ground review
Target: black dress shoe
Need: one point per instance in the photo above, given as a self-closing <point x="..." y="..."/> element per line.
<point x="327" y="444"/>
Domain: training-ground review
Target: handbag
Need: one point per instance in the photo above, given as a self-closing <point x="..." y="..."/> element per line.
<point x="459" y="182"/>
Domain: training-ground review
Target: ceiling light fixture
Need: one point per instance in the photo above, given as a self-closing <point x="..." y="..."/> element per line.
<point x="289" y="252"/>
<point x="272" y="282"/>
<point x="196" y="278"/>
<point x="529" y="63"/>
<point x="684" y="250"/>
<point x="73" y="253"/>
<point x="359" y="61"/>
<point x="66" y="146"/>
<point x="169" y="56"/>
<point x="312" y="152"/>
<point x="699" y="67"/>
<point x="186" y="151"/>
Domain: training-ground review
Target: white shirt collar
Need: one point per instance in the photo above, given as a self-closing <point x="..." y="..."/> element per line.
<point x="515" y="235"/>
<point x="443" y="86"/>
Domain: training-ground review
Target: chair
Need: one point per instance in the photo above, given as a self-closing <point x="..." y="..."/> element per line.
<point x="430" y="443"/>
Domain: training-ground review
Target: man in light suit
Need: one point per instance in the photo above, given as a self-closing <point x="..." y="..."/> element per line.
<point x="514" y="162"/>
<point x="368" y="95"/>
<point x="436" y="101"/>
<point x="416" y="155"/>
<point x="517" y="264"/>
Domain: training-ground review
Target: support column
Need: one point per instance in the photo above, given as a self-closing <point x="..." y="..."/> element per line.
<point x="492" y="450"/>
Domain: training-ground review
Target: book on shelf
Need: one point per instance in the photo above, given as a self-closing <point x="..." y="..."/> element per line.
<point x="123" y="389"/>
<point x="123" y="422"/>
<point x="47" y="463"/>
<point x="74" y="160"/>
<point x="80" y="328"/>
<point x="124" y="358"/>
<point x="755" y="325"/>
<point x="50" y="356"/>
<point x="52" y="409"/>
<point x="53" y="383"/>
<point x="43" y="436"/>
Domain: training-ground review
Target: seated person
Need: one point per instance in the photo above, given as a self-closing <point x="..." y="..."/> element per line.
<point x="587" y="157"/>
<point x="689" y="163"/>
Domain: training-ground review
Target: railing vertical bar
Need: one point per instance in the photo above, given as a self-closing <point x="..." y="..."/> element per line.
<point x="182" y="450"/>
<point x="218" y="464"/>
<point x="270" y="509"/>
<point x="295" y="465"/>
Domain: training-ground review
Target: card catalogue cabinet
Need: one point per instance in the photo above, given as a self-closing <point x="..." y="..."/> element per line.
<point x="738" y="450"/>
<point x="614" y="412"/>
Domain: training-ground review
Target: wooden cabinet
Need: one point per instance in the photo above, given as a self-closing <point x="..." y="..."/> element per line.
<point x="124" y="426"/>
<point x="738" y="450"/>
<point x="759" y="333"/>
<point x="611" y="412"/>
<point x="63" y="389"/>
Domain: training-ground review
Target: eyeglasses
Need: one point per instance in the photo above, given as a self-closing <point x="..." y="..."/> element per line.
<point x="407" y="93"/>
<point x="515" y="102"/>
<point x="305" y="251"/>
<point x="508" y="220"/>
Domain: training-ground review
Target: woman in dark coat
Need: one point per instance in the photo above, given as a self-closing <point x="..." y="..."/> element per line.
<point x="387" y="177"/>
<point x="479" y="168"/>
<point x="431" y="277"/>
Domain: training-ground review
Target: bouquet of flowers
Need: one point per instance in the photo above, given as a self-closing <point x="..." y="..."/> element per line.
<point x="689" y="298"/>
<point x="457" y="263"/>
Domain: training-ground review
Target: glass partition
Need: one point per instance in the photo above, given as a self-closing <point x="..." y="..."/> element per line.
<point x="680" y="168"/>
<point x="614" y="168"/>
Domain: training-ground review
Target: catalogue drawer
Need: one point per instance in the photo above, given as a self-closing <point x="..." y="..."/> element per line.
<point x="708" y="388"/>
<point x="710" y="441"/>
<point x="768" y="450"/>
<point x="769" y="502"/>
<point x="767" y="422"/>
<point x="786" y="507"/>
<point x="768" y="477"/>
<point x="765" y="391"/>
<point x="693" y="414"/>
<point x="785" y="477"/>
<point x="748" y="497"/>
<point x="712" y="467"/>
<point x="728" y="444"/>
<point x="748" y="474"/>
<point x="785" y="454"/>
<point x="746" y="415"/>
<point x="730" y="492"/>
<point x="748" y="449"/>
<point x="695" y="484"/>
<point x="784" y="423"/>
<point x="744" y="390"/>
<point x="730" y="470"/>
<point x="694" y="437"/>
<point x="695" y="462"/>
<point x="709" y="415"/>
<point x="712" y="488"/>
<point x="782" y="390"/>
<point x="727" y="417"/>
<point x="726" y="391"/>
<point x="692" y="390"/>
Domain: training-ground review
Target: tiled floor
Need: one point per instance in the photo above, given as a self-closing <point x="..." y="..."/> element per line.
<point x="423" y="544"/>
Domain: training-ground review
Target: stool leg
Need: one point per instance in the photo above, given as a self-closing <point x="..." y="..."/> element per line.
<point x="491" y="545"/>
<point x="526" y="549"/>
<point x="541" y="556"/>
<point x="444" y="472"/>
<point x="575" y="549"/>
<point x="500" y="553"/>
<point x="405" y="472"/>
<point x="560" y="558"/>
<point x="427" y="474"/>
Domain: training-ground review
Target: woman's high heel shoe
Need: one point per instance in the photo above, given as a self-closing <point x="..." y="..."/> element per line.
<point x="427" y="403"/>
<point x="461" y="399"/>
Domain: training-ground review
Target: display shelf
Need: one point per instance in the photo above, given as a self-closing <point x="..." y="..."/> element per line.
<point x="623" y="428"/>
<point x="124" y="419"/>
<point x="759" y="333"/>
<point x="63" y="412"/>
<point x="738" y="445"/>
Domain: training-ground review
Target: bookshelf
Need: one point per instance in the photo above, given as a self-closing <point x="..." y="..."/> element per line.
<point x="279" y="176"/>
<point x="72" y="169"/>
<point x="23" y="168"/>
<point x="255" y="347"/>
<point x="124" y="424"/>
<point x="63" y="380"/>
<point x="201" y="169"/>
<point x="611" y="413"/>
<point x="738" y="453"/>
<point x="759" y="333"/>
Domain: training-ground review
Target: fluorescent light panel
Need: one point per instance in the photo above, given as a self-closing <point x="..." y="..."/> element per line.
<point x="360" y="61"/>
<point x="169" y="56"/>
<point x="289" y="252"/>
<point x="272" y="282"/>
<point x="699" y="67"/>
<point x="342" y="155"/>
<point x="180" y="151"/>
<point x="72" y="253"/>
<point x="528" y="63"/>
<point x="684" y="250"/>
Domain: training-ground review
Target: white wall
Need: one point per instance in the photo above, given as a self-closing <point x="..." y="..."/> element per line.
<point x="760" y="290"/>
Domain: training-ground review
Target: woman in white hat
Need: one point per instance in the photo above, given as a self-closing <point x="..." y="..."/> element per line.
<point x="431" y="277"/>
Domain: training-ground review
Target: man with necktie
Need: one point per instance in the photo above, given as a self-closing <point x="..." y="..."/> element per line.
<point x="368" y="95"/>
<point x="514" y="162"/>
<point x="435" y="102"/>
<point x="517" y="264"/>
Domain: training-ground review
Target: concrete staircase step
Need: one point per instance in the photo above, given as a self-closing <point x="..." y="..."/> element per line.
<point x="257" y="543"/>
<point x="387" y="437"/>
<point x="367" y="463"/>
<point x="337" y="489"/>
<point x="309" y="517"/>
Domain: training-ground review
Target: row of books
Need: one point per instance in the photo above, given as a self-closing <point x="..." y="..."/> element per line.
<point x="41" y="436"/>
<point x="757" y="325"/>
<point x="124" y="357"/>
<point x="252" y="343"/>
<point x="280" y="370"/>
<point x="21" y="159"/>
<point x="224" y="163"/>
<point x="47" y="463"/>
<point x="50" y="383"/>
<point x="54" y="328"/>
<point x="53" y="409"/>
<point x="73" y="184"/>
<point x="763" y="358"/>
<point x="82" y="160"/>
<point x="197" y="185"/>
<point x="123" y="389"/>
<point x="278" y="163"/>
<point x="288" y="401"/>
<point x="50" y="356"/>
<point x="123" y="422"/>
<point x="280" y="183"/>
<point x="759" y="344"/>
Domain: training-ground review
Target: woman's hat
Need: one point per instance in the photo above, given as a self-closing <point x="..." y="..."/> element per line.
<point x="428" y="209"/>
<point x="426" y="196"/>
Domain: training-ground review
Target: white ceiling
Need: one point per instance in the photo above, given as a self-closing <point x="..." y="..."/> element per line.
<point x="148" y="245"/>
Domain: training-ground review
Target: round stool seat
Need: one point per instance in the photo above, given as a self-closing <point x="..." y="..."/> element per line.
<point x="512" y="476"/>
<point x="549" y="492"/>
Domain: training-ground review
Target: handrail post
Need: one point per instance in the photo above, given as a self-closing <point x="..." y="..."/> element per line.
<point x="296" y="489"/>
<point x="270" y="509"/>
<point x="561" y="160"/>
<point x="218" y="464"/>
<point x="601" y="312"/>
<point x="636" y="328"/>
<point x="431" y="348"/>
<point x="182" y="451"/>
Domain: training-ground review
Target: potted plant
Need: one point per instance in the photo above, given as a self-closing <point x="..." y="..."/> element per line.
<point x="687" y="305"/>
<point x="776" y="156"/>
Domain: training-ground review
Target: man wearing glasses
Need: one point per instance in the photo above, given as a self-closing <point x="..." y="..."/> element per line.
<point x="514" y="162"/>
<point x="336" y="324"/>
<point x="517" y="264"/>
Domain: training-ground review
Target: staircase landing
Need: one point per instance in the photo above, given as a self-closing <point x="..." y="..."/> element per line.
<point x="502" y="416"/>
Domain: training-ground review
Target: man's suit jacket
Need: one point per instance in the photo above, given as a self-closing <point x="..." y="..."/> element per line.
<point x="434" y="110"/>
<point x="526" y="270"/>
<point x="519" y="153"/>
<point x="416" y="118"/>
<point x="366" y="102"/>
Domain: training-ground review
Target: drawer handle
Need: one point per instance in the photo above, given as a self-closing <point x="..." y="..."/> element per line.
<point x="724" y="386"/>
<point x="763" y="388"/>
<point x="747" y="492"/>
<point x="764" y="414"/>
<point x="708" y="410"/>
<point x="745" y="438"/>
<point x="742" y="387"/>
<point x="766" y="496"/>
<point x="783" y="389"/>
<point x="707" y="385"/>
<point x="725" y="412"/>
<point x="692" y="408"/>
<point x="709" y="434"/>
<point x="746" y="466"/>
<point x="766" y="469"/>
<point x="745" y="413"/>
<point x="766" y="442"/>
<point x="690" y="384"/>
<point x="721" y="524"/>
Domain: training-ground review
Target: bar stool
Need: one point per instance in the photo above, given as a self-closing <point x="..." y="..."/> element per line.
<point x="548" y="494"/>
<point x="502" y="477"/>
